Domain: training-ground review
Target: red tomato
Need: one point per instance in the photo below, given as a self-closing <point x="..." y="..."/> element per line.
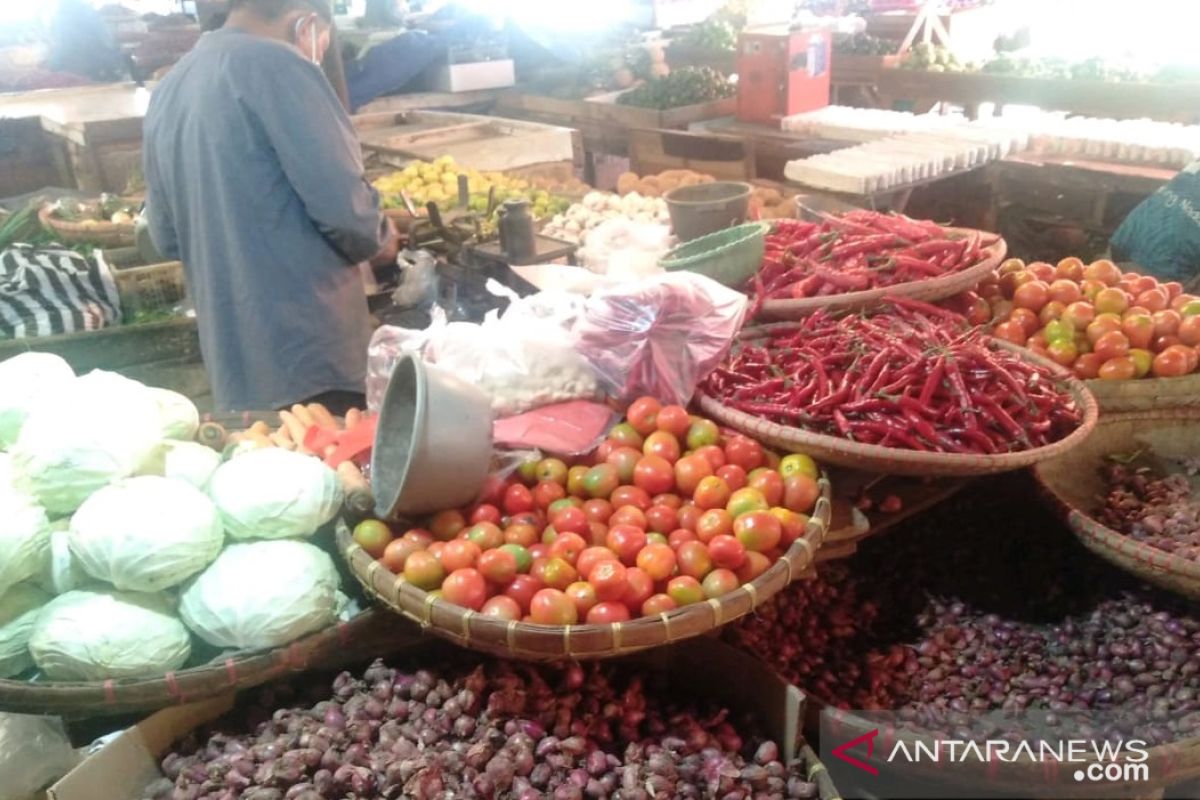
<point x="679" y="537"/>
<point x="1139" y="330"/>
<point x="733" y="475"/>
<point x="592" y="556"/>
<point x="744" y="452"/>
<point x="714" y="455"/>
<point x="1182" y="301"/>
<point x="769" y="483"/>
<point x="602" y="452"/>
<point x="1041" y="270"/>
<point x="397" y="552"/>
<point x="466" y="588"/>
<point x="712" y="523"/>
<point x="486" y="535"/>
<point x="1163" y="342"/>
<point x="521" y="534"/>
<point x="638" y="588"/>
<point x="628" y="515"/>
<point x="598" y="510"/>
<point x="712" y="492"/>
<point x="561" y="505"/>
<point x="654" y="474"/>
<point x="1111" y="300"/>
<point x="657" y="561"/>
<point x="1065" y="291"/>
<point x="547" y="492"/>
<point x="689" y="512"/>
<point x="719" y="582"/>
<point x="675" y="420"/>
<point x="1173" y="289"/>
<point x="754" y="565"/>
<point x="583" y="595"/>
<point x="791" y="524"/>
<point x="522" y="589"/>
<point x="685" y="590"/>
<point x="1102" y="324"/>
<point x="694" y="560"/>
<point x="601" y="480"/>
<point x="663" y="445"/>
<point x="1028" y="320"/>
<point x="758" y="531"/>
<point x="459" y="554"/>
<point x="1070" y="268"/>
<point x="552" y="607"/>
<point x="976" y="309"/>
<point x="1189" y="330"/>
<point x="661" y="519"/>
<point x="539" y="550"/>
<point x="609" y="577"/>
<point x="800" y="493"/>
<point x="623" y="434"/>
<point x="419" y="536"/>
<point x="726" y="552"/>
<point x="502" y="607"/>
<point x="1032" y="295"/>
<point x="1103" y="270"/>
<point x="554" y="572"/>
<point x="1171" y="363"/>
<point x="658" y="604"/>
<point x="568" y="546"/>
<point x="517" y="499"/>
<point x="689" y="471"/>
<point x="624" y="459"/>
<point x="1050" y="312"/>
<point x="445" y="525"/>
<point x="607" y="614"/>
<point x="1010" y="332"/>
<point x="1153" y="300"/>
<point x="1119" y="368"/>
<point x="571" y="519"/>
<point x="626" y="541"/>
<point x="485" y="512"/>
<point x="670" y="500"/>
<point x="643" y="414"/>
<point x="1087" y="366"/>
<point x="598" y="532"/>
<point x="1079" y="315"/>
<point x="1111" y="345"/>
<point x="1166" y="322"/>
<point x="630" y="496"/>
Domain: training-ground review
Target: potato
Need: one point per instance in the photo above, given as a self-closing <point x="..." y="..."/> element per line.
<point x="627" y="182"/>
<point x="768" y="197"/>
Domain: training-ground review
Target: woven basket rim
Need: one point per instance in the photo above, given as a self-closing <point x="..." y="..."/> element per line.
<point x="729" y="238"/>
<point x="419" y="606"/>
<point x="1166" y="570"/>
<point x="898" y="461"/>
<point x="47" y="216"/>
<point x="934" y="288"/>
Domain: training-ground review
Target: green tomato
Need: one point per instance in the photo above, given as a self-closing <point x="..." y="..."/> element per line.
<point x="703" y="432"/>
<point x="798" y="464"/>
<point x="521" y="554"/>
<point x="1059" y="330"/>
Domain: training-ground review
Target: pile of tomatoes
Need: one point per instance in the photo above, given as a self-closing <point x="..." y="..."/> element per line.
<point x="1093" y="318"/>
<point x="667" y="512"/>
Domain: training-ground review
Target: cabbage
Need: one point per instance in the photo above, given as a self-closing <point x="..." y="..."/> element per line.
<point x="26" y="382"/>
<point x="92" y="635"/>
<point x="102" y="427"/>
<point x="275" y="494"/>
<point x="262" y="594"/>
<point x="190" y="462"/>
<point x="19" y="608"/>
<point x="61" y="570"/>
<point x="24" y="538"/>
<point x="146" y="534"/>
<point x="179" y="417"/>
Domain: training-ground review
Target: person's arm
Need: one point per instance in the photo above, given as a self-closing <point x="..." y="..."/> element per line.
<point x="157" y="213"/>
<point x="320" y="154"/>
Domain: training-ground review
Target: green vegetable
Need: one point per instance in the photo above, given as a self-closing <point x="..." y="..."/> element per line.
<point x="683" y="87"/>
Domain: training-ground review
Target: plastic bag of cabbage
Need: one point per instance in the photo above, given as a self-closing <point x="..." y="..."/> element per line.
<point x="146" y="534"/>
<point x="93" y="635"/>
<point x="19" y="608"/>
<point x="262" y="594"/>
<point x="28" y="381"/>
<point x="274" y="494"/>
<point x="24" y="538"/>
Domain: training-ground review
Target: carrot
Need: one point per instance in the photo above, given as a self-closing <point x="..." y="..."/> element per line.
<point x="258" y="438"/>
<point x="301" y="413"/>
<point x="353" y="417"/>
<point x="321" y="417"/>
<point x="261" y="427"/>
<point x="358" y="492"/>
<point x="280" y="439"/>
<point x="296" y="429"/>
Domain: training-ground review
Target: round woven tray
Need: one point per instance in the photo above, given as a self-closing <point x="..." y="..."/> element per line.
<point x="1146" y="394"/>
<point x="532" y="642"/>
<point x="897" y="461"/>
<point x="106" y="234"/>
<point x="930" y="289"/>
<point x="1074" y="482"/>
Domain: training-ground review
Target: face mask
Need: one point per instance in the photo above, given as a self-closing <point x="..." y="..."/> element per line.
<point x="312" y="37"/>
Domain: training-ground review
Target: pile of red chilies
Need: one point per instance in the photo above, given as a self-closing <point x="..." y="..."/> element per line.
<point x="858" y="251"/>
<point x="910" y="376"/>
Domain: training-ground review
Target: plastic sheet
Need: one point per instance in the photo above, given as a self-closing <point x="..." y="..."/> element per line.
<point x="566" y="429"/>
<point x="658" y="336"/>
<point x="34" y="751"/>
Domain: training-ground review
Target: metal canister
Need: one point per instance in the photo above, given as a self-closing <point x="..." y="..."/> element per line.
<point x="516" y="229"/>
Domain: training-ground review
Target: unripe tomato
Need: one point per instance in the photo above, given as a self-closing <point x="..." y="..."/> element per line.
<point x="758" y="531"/>
<point x="658" y="604"/>
<point x="657" y="561"/>
<point x="745" y="500"/>
<point x="694" y="560"/>
<point x="624" y="435"/>
<point x="575" y="476"/>
<point x="554" y="572"/>
<point x="798" y="463"/>
<point x="552" y="469"/>
<point x="624" y="459"/>
<point x="1117" y="369"/>
<point x="423" y="570"/>
<point x="459" y="554"/>
<point x="373" y="536"/>
<point x="689" y="471"/>
<point x="714" y="522"/>
<point x="445" y="525"/>
<point x="521" y="556"/>
<point x="583" y="595"/>
<point x="719" y="582"/>
<point x="601" y="480"/>
<point x="485" y="535"/>
<point x="568" y="547"/>
<point x="703" y="433"/>
<point x="397" y="552"/>
<point x="522" y="534"/>
<point x="663" y="445"/>
<point x="685" y="590"/>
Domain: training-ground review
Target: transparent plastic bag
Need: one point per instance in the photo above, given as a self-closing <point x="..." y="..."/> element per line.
<point x="388" y="344"/>
<point x="658" y="336"/>
<point x="625" y="249"/>
<point x="34" y="751"/>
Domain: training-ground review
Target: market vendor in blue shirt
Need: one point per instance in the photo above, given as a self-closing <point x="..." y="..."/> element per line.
<point x="255" y="181"/>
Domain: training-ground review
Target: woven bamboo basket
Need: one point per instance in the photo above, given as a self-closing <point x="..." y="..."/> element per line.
<point x="929" y="289"/>
<point x="1146" y="394"/>
<point x="532" y="642"/>
<point x="1169" y="765"/>
<point x="1074" y="482"/>
<point x="897" y="461"/>
<point x="101" y="234"/>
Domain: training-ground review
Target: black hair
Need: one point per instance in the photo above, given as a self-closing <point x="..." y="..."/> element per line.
<point x="273" y="9"/>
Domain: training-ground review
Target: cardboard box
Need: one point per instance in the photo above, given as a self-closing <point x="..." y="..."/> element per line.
<point x="124" y="767"/>
<point x="473" y="76"/>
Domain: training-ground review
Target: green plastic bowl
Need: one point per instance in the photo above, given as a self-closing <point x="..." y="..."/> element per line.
<point x="731" y="256"/>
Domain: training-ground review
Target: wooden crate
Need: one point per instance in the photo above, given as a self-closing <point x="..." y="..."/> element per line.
<point x="604" y="108"/>
<point x="723" y="157"/>
<point x="859" y="70"/>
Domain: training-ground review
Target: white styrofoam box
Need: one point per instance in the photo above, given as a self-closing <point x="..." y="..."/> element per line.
<point x="474" y="76"/>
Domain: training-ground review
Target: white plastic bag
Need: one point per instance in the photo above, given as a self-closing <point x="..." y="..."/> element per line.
<point x="19" y="608"/>
<point x="34" y="752"/>
<point x="93" y="635"/>
<point x="146" y="534"/>
<point x="24" y="538"/>
<point x="274" y="494"/>
<point x="388" y="344"/>
<point x="101" y="428"/>
<point x="262" y="594"/>
<point x="179" y="415"/>
<point x="61" y="571"/>
<point x="27" y="381"/>
<point x="625" y="249"/>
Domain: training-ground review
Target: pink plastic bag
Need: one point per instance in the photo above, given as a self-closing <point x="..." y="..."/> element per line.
<point x="571" y="428"/>
<point x="658" y="336"/>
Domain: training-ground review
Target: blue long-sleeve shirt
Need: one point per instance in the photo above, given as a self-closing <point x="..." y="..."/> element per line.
<point x="255" y="181"/>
